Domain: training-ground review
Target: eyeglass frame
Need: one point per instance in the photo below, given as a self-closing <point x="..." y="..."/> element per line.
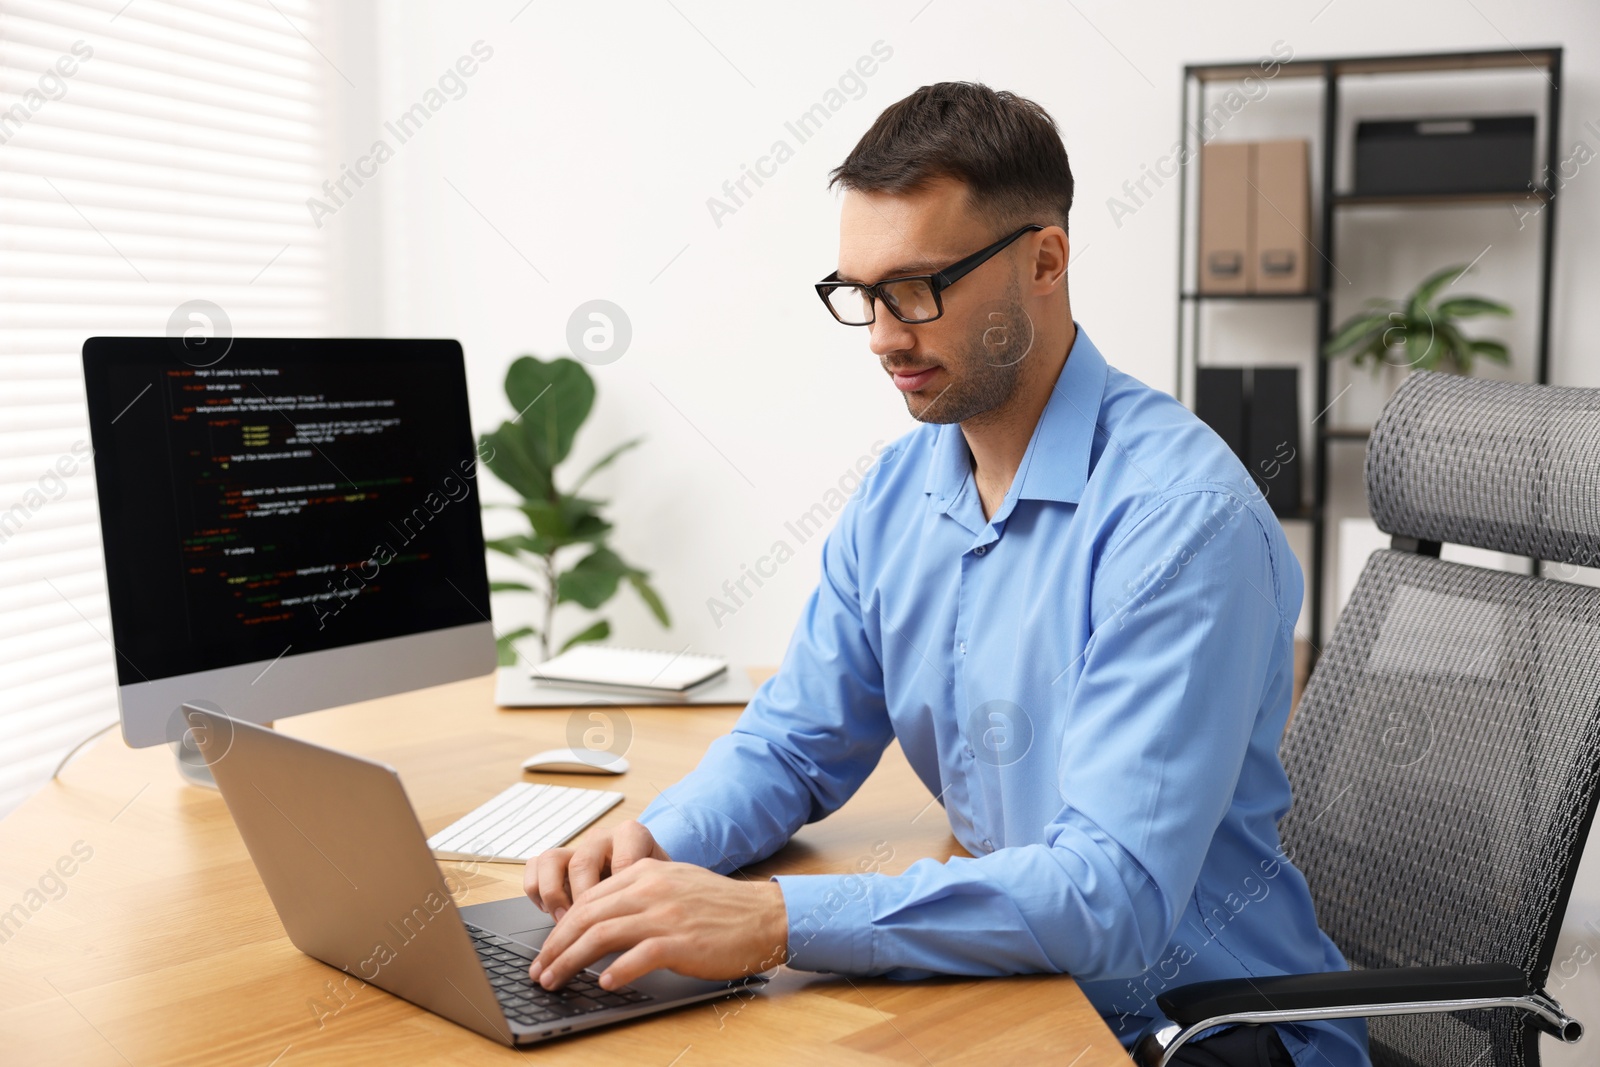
<point x="937" y="282"/>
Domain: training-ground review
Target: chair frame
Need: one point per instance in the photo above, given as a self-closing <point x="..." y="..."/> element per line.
<point x="1159" y="1042"/>
<point x="1193" y="1009"/>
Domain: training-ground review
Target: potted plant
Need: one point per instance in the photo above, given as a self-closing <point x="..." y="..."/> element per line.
<point x="565" y="546"/>
<point x="1422" y="331"/>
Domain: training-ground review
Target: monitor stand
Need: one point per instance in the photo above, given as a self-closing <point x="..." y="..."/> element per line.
<point x="186" y="752"/>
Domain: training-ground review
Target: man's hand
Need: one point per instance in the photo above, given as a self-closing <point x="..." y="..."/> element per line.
<point x="558" y="876"/>
<point x="674" y="915"/>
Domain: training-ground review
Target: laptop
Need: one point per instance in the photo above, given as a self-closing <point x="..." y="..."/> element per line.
<point x="349" y="871"/>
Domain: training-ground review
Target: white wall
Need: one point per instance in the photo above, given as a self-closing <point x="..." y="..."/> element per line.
<point x="584" y="151"/>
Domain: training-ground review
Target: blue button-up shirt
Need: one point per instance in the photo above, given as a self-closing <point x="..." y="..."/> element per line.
<point x="1093" y="682"/>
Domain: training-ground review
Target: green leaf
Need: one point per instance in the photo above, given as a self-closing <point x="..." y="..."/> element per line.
<point x="1354" y="331"/>
<point x="1394" y="333"/>
<point x="506" y="654"/>
<point x="1430" y="286"/>
<point x="592" y="580"/>
<point x="652" y="600"/>
<point x="505" y="453"/>
<point x="511" y="587"/>
<point x="1423" y="347"/>
<point x="551" y="400"/>
<point x="1488" y="349"/>
<point x="565" y="521"/>
<point x="591" y="529"/>
<point x="598" y="632"/>
<point x="515" y="545"/>
<point x="583" y="521"/>
<point x="1455" y="347"/>
<point x="1466" y="307"/>
<point x="548" y="523"/>
<point x="605" y="461"/>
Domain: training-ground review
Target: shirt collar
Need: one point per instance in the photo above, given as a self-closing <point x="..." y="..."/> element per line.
<point x="1056" y="464"/>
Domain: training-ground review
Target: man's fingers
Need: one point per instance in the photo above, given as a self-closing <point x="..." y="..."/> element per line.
<point x="588" y="866"/>
<point x="556" y="878"/>
<point x="530" y="881"/>
<point x="651" y="954"/>
<point x="620" y="880"/>
<point x="553" y="890"/>
<point x="600" y="939"/>
<point x="618" y="898"/>
<point x="583" y="915"/>
<point x="633" y="842"/>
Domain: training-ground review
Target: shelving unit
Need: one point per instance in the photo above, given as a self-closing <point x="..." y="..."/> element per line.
<point x="1198" y="80"/>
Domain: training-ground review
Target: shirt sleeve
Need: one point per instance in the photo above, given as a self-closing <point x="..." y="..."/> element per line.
<point x="809" y="737"/>
<point x="1185" y="616"/>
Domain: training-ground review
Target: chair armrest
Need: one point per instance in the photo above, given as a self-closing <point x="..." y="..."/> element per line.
<point x="1200" y="1001"/>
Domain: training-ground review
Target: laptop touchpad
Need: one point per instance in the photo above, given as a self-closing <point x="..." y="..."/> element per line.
<point x="515" y="917"/>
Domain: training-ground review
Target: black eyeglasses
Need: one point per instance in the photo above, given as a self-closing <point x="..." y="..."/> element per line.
<point x="912" y="299"/>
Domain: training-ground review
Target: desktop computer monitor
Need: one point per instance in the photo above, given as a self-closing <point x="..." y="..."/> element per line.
<point x="289" y="525"/>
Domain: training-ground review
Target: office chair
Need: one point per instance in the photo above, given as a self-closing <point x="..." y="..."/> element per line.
<point x="1446" y="752"/>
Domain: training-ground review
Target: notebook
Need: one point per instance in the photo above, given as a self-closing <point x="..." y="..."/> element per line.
<point x="615" y="669"/>
<point x="522" y="822"/>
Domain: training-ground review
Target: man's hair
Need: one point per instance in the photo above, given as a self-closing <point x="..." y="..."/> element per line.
<point x="1003" y="147"/>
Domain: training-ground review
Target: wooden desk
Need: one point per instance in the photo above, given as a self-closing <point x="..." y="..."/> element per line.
<point x="162" y="947"/>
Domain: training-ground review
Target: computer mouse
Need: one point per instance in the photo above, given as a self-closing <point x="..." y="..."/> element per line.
<point x="576" y="761"/>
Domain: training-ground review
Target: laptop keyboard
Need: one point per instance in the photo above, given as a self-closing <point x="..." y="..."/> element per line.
<point x="526" y="1001"/>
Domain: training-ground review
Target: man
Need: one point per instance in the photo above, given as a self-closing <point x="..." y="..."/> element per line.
<point x="1064" y="597"/>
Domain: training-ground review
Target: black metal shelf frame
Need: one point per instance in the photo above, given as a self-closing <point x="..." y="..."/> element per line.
<point x="1330" y="71"/>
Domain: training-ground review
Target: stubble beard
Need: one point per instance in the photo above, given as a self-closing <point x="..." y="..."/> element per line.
<point x="985" y="374"/>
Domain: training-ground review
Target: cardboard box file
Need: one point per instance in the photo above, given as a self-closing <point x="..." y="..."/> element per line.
<point x="1281" y="206"/>
<point x="1225" y="217"/>
<point x="1255" y="217"/>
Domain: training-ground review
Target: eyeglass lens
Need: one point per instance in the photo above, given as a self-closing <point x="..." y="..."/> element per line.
<point x="910" y="300"/>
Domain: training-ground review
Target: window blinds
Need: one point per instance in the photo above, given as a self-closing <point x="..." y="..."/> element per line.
<point x="152" y="153"/>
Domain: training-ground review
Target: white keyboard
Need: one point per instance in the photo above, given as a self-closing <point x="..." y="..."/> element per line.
<point x="522" y="822"/>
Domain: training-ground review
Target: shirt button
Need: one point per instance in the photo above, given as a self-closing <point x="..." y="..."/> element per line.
<point x="981" y="549"/>
<point x="988" y="844"/>
<point x="962" y="645"/>
<point x="967" y="750"/>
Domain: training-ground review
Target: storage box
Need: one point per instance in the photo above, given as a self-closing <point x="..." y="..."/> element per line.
<point x="1272" y="436"/>
<point x="1489" y="154"/>
<point x="1219" y="394"/>
<point x="1256" y="412"/>
<point x="1280" y="207"/>
<point x="1225" y="265"/>
<point x="1255" y="217"/>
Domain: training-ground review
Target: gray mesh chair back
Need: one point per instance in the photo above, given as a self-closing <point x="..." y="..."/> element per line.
<point x="1444" y="756"/>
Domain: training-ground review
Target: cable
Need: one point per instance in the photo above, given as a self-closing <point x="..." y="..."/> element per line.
<point x="79" y="746"/>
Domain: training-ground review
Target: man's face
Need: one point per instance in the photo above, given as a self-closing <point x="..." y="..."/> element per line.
<point x="968" y="361"/>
